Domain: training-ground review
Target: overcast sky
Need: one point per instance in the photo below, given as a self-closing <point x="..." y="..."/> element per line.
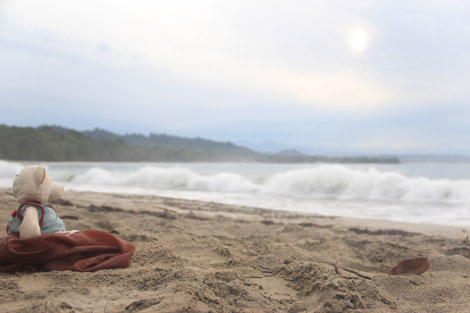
<point x="344" y="75"/>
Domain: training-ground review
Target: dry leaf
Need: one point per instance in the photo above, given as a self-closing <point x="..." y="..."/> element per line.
<point x="415" y="266"/>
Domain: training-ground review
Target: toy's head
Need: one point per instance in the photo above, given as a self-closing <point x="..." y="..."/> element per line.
<point x="33" y="184"/>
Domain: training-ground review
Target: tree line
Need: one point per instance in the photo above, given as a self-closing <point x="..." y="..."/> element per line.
<point x="54" y="143"/>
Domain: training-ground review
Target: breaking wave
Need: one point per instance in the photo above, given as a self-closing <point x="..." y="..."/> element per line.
<point x="8" y="170"/>
<point x="327" y="181"/>
<point x="337" y="181"/>
<point x="166" y="178"/>
<point x="321" y="181"/>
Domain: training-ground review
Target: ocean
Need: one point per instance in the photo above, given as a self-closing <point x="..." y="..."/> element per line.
<point x="433" y="193"/>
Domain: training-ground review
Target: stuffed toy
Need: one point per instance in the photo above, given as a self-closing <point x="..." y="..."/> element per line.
<point x="32" y="188"/>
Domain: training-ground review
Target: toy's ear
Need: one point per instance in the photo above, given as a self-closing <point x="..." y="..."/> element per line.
<point x="39" y="175"/>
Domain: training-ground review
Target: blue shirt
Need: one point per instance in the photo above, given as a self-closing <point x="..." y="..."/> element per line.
<point x="51" y="222"/>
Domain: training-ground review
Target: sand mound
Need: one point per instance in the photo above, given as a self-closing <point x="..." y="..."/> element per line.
<point x="204" y="257"/>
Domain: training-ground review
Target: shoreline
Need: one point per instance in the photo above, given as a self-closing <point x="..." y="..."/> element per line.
<point x="388" y="192"/>
<point x="253" y="212"/>
<point x="195" y="256"/>
<point x="450" y="231"/>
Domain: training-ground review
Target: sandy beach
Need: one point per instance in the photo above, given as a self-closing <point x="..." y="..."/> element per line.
<point x="194" y="256"/>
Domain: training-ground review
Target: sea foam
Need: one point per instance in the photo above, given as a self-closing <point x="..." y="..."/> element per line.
<point x="166" y="178"/>
<point x="331" y="181"/>
<point x="8" y="170"/>
<point x="321" y="181"/>
<point x="341" y="182"/>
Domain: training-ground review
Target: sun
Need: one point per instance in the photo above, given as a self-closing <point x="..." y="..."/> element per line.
<point x="358" y="41"/>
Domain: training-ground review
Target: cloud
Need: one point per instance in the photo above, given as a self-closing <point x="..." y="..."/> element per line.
<point x="240" y="68"/>
<point x="201" y="42"/>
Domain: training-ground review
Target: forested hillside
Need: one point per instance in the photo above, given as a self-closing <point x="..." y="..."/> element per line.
<point x="169" y="141"/>
<point x="55" y="143"/>
<point x="48" y="143"/>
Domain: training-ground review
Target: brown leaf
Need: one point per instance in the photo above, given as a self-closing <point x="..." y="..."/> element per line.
<point x="415" y="266"/>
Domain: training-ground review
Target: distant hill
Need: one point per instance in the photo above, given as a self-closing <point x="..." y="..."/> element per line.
<point x="168" y="141"/>
<point x="275" y="147"/>
<point x="290" y="152"/>
<point x="56" y="143"/>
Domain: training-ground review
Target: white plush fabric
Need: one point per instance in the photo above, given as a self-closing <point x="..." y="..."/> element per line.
<point x="33" y="184"/>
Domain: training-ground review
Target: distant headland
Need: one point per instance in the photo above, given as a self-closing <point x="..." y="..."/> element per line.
<point x="57" y="143"/>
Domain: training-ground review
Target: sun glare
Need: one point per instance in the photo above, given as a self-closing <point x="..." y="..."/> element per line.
<point x="358" y="41"/>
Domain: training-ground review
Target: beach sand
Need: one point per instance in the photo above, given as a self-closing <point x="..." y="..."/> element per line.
<point x="194" y="256"/>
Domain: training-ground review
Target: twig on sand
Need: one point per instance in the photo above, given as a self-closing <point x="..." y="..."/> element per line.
<point x="357" y="273"/>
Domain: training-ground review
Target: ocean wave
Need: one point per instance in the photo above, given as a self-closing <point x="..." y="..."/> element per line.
<point x="321" y="181"/>
<point x="8" y="170"/>
<point x="324" y="181"/>
<point x="166" y="178"/>
<point x="341" y="182"/>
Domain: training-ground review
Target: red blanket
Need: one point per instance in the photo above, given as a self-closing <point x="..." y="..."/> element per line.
<point x="85" y="251"/>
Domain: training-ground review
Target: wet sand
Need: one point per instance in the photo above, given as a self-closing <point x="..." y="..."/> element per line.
<point x="195" y="256"/>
